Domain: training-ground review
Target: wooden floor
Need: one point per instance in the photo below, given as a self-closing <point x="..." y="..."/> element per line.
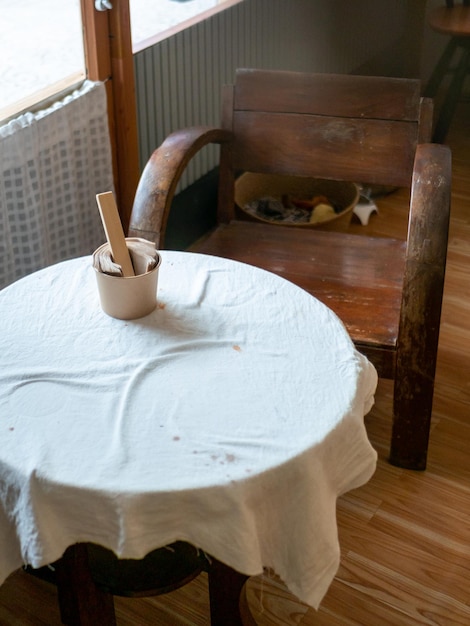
<point x="405" y="536"/>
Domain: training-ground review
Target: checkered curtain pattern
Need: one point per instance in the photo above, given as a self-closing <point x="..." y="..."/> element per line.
<point x="52" y="164"/>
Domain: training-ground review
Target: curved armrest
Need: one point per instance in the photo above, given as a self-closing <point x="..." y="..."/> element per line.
<point x="423" y="285"/>
<point x="160" y="177"/>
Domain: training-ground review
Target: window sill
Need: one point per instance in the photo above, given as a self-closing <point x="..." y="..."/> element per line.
<point x="43" y="98"/>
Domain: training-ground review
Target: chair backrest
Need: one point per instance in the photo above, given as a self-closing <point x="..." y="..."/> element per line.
<point x="344" y="127"/>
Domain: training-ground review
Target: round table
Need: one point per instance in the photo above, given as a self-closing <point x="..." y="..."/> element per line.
<point x="231" y="417"/>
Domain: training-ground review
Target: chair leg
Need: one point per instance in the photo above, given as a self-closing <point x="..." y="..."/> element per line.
<point x="227" y="601"/>
<point x="81" y="602"/>
<point x="441" y="69"/>
<point x="451" y="100"/>
<point x="412" y="410"/>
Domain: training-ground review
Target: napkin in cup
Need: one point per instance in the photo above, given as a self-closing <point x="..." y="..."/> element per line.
<point x="143" y="255"/>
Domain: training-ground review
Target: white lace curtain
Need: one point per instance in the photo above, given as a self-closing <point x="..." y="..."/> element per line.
<point x="52" y="164"/>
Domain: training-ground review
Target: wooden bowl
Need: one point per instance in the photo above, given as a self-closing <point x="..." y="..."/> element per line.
<point x="250" y="187"/>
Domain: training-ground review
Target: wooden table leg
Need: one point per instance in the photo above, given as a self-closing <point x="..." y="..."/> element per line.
<point x="227" y="596"/>
<point x="81" y="602"/>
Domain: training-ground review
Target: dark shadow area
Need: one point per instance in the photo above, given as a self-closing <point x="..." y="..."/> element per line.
<point x="193" y="212"/>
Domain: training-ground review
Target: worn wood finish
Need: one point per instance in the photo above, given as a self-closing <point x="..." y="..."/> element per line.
<point x="365" y="129"/>
<point x="161" y="175"/>
<point x="356" y="287"/>
<point x="294" y="124"/>
<point x="347" y="154"/>
<point x="424" y="274"/>
<point x="405" y="535"/>
<point x="334" y="95"/>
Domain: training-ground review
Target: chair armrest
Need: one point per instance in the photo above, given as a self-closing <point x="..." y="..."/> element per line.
<point x="428" y="233"/>
<point x="160" y="177"/>
<point x="426" y="253"/>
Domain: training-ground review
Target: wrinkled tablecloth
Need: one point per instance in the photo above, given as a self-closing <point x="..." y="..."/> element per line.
<point x="231" y="417"/>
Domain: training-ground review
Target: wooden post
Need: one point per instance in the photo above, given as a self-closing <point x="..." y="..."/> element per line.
<point x="108" y="56"/>
<point x="81" y="602"/>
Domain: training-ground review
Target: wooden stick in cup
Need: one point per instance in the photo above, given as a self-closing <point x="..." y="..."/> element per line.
<point x="114" y="233"/>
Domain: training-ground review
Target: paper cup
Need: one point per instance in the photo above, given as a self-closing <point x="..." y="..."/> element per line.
<point x="130" y="297"/>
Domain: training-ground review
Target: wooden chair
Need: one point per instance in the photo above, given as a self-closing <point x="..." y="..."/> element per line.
<point x="387" y="292"/>
<point x="452" y="20"/>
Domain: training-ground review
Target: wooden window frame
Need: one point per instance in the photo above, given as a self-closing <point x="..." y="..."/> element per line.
<point x="108" y="58"/>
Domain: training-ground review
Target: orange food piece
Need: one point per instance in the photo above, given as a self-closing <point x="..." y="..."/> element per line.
<point x="320" y="200"/>
<point x="309" y="204"/>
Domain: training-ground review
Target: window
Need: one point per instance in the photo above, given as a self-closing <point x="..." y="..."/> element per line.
<point x="41" y="42"/>
<point x="41" y="51"/>
<point x="153" y="20"/>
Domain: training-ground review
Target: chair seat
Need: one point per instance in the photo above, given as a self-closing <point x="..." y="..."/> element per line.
<point x="339" y="269"/>
<point x="454" y="22"/>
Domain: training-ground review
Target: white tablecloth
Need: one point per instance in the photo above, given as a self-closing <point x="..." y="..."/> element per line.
<point x="230" y="417"/>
